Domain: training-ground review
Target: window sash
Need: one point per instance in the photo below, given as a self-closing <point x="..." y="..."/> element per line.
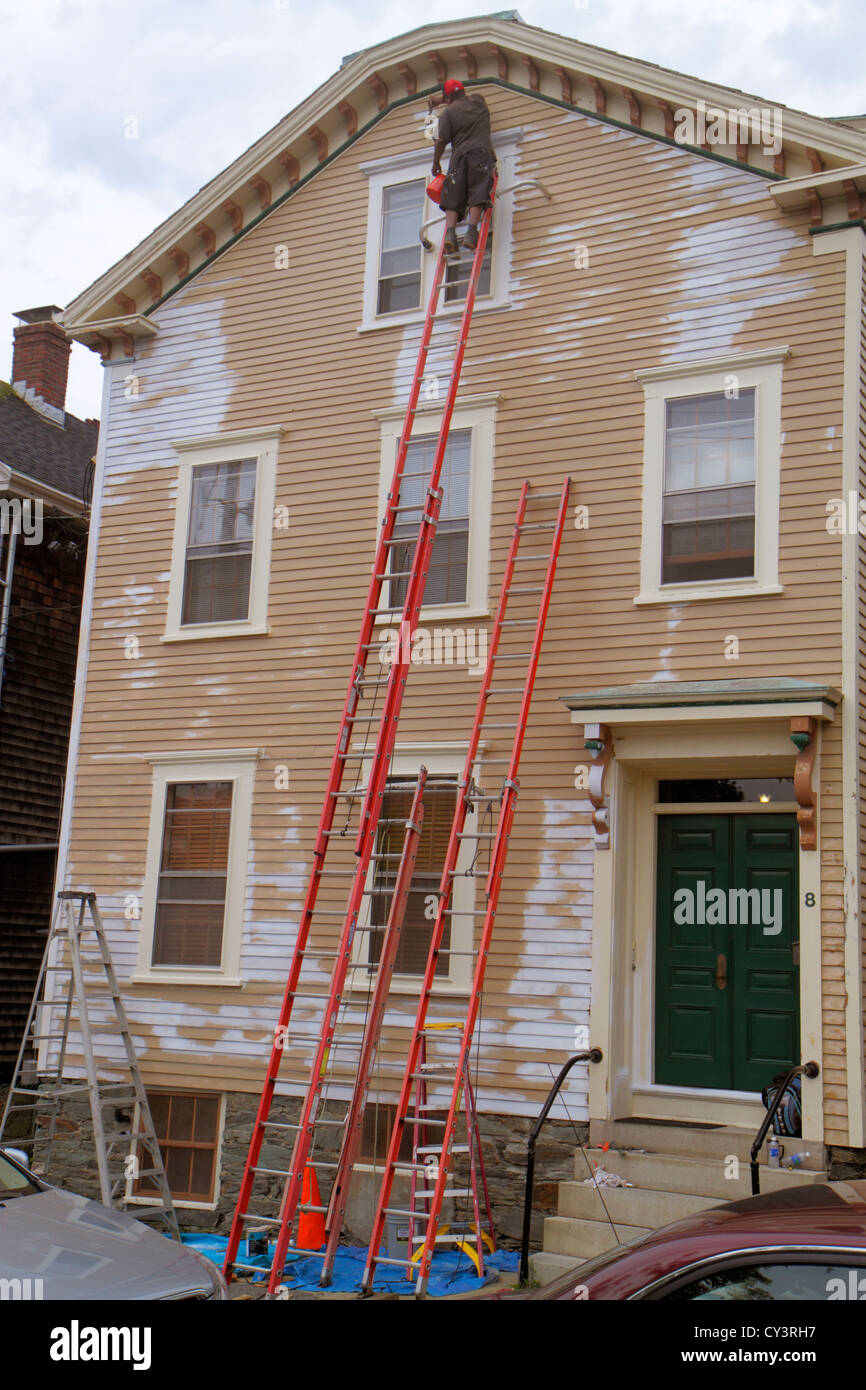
<point x="458" y="269"/>
<point x="191" y="889"/>
<point x="430" y="858"/>
<point x="708" y="504"/>
<point x="218" y="560"/>
<point x="448" y="577"/>
<point x="399" y="278"/>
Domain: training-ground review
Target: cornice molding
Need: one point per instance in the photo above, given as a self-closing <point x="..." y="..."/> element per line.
<point x="505" y="52"/>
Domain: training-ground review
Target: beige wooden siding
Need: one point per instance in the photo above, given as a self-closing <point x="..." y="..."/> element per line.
<point x="687" y="258"/>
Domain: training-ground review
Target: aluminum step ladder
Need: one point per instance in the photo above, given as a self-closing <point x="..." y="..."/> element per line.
<point x="496" y="696"/>
<point x="350" y="818"/>
<point x="77" y="992"/>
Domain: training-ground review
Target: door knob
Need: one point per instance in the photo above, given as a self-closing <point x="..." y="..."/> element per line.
<point x="722" y="971"/>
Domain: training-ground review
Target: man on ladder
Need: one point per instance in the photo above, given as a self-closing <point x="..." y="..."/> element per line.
<point x="465" y="125"/>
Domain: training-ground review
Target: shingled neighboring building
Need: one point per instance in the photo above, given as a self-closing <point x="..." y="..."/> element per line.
<point x="45" y="469"/>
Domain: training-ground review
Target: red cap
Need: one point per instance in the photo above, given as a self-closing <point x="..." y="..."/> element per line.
<point x="452" y="85"/>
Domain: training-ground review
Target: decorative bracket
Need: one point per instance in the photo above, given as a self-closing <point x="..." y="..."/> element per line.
<point x="565" y="85"/>
<point x="350" y="115"/>
<point x="235" y="214"/>
<point x="153" y="282"/>
<point x="804" y="739"/>
<point x="263" y="189"/>
<point x="599" y="744"/>
<point x="208" y="236"/>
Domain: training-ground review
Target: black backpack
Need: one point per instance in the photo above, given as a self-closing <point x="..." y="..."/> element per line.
<point x="788" y="1119"/>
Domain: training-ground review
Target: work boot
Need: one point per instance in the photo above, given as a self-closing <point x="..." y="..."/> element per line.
<point x="451" y="247"/>
<point x="470" y="240"/>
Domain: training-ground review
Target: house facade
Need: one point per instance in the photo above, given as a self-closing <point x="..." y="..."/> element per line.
<point x="672" y="314"/>
<point x="46" y="466"/>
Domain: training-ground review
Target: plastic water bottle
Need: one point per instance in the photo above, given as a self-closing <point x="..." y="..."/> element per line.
<point x="774" y="1152"/>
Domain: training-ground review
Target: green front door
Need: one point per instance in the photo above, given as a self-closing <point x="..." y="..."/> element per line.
<point x="727" y="979"/>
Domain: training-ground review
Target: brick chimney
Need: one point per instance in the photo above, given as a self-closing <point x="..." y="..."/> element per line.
<point x="40" y="358"/>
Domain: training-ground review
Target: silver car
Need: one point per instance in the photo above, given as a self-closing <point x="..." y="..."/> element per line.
<point x="57" y="1245"/>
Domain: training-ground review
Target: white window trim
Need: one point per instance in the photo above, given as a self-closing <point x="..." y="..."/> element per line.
<point x="439" y="760"/>
<point x="239" y="769"/>
<point x="762" y="370"/>
<point x="416" y="165"/>
<point x="262" y="445"/>
<point x="213" y="1204"/>
<point x="478" y="414"/>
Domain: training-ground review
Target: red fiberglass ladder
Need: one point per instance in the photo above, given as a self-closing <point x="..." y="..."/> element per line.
<point x="329" y="1002"/>
<point x="450" y="1067"/>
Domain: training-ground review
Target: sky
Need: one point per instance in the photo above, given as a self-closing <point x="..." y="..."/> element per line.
<point x="198" y="81"/>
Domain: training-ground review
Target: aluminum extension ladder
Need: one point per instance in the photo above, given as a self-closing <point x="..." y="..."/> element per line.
<point x="77" y="981"/>
<point x="359" y="809"/>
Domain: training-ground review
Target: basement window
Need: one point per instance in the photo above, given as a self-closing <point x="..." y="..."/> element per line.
<point x="376" y="1133"/>
<point x="187" y="1127"/>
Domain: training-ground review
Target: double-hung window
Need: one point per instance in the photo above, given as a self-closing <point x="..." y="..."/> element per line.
<point x="401" y="250"/>
<point x="444" y="763"/>
<point x="439" y="802"/>
<point x="399" y="267"/>
<point x="449" y="564"/>
<point x="457" y="582"/>
<point x="192" y="908"/>
<point x="708" y="517"/>
<point x="711" y="483"/>
<point x="224" y="520"/>
<point x="218" y="561"/>
<point x="191" y="896"/>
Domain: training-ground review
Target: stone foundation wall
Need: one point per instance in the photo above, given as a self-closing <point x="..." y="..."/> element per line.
<point x="504" y="1139"/>
<point x="845" y="1163"/>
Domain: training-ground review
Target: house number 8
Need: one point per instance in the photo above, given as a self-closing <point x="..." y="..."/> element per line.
<point x="810" y="900"/>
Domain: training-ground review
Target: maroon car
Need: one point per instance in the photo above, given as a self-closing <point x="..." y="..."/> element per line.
<point x="800" y="1243"/>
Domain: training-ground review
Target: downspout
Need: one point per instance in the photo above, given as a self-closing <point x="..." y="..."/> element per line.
<point x="11" y="543"/>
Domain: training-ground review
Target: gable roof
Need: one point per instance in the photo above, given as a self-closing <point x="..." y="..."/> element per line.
<point x="493" y="49"/>
<point x="42" y="457"/>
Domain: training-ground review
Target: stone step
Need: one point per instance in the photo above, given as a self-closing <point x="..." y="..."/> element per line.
<point x="638" y="1206"/>
<point x="545" y="1267"/>
<point x="693" y="1140"/>
<point x="703" y="1177"/>
<point x="569" y="1235"/>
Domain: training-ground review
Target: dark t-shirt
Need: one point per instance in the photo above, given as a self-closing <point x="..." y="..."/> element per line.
<point x="465" y="123"/>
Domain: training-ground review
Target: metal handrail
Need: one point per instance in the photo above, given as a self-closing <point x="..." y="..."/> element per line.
<point x="809" y="1069"/>
<point x="594" y="1054"/>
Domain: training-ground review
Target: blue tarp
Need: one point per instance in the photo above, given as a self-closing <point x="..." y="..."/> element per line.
<point x="452" y="1271"/>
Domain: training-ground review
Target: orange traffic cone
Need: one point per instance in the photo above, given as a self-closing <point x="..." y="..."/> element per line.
<point x="311" y="1224"/>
